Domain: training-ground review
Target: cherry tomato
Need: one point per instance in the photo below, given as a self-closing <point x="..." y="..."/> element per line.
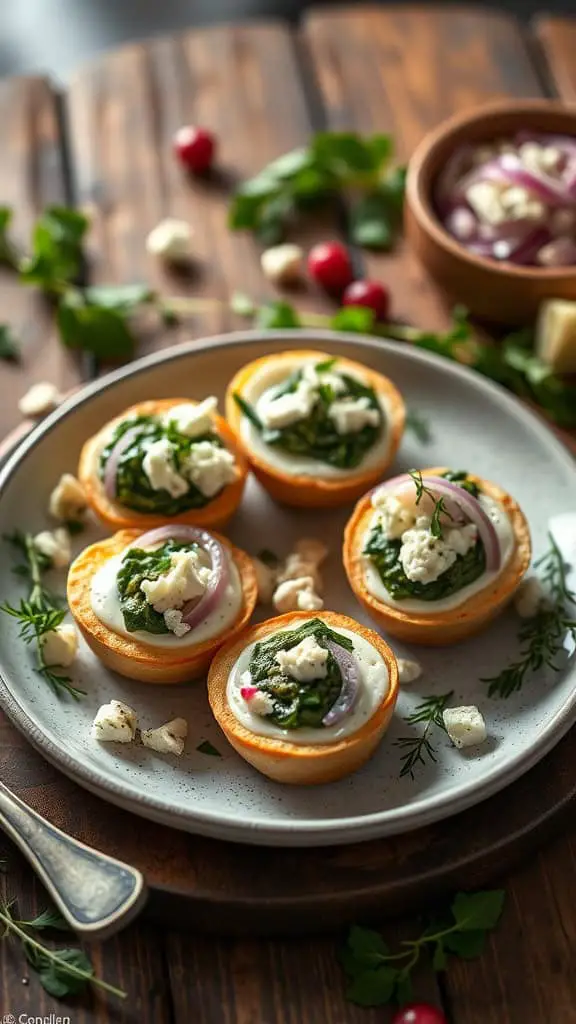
<point x="329" y="264"/>
<point x="419" y="1013"/>
<point x="194" y="148"/>
<point x="371" y="294"/>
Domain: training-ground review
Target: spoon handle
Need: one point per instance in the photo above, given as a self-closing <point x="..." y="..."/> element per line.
<point x="96" y="894"/>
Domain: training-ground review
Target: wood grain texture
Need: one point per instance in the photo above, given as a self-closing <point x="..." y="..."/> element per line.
<point x="31" y="177"/>
<point x="557" y="38"/>
<point x="243" y="82"/>
<point x="402" y="70"/>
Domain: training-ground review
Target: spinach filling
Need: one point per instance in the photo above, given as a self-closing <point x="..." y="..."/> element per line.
<point x="133" y="488"/>
<point x="316" y="436"/>
<point x="385" y="556"/>
<point x="138" y="565"/>
<point x="298" y="704"/>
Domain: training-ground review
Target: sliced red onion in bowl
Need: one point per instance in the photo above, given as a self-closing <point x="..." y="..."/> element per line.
<point x="111" y="467"/>
<point x="350" y="672"/>
<point x="467" y="504"/>
<point x="195" y="612"/>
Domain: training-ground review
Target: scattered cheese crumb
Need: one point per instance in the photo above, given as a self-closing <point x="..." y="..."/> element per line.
<point x="304" y="662"/>
<point x="312" y="550"/>
<point x="68" y="500"/>
<point x="297" y="595"/>
<point x="55" y="546"/>
<point x="168" y="738"/>
<point x="529" y="598"/>
<point x="59" y="646"/>
<point x="173" y="620"/>
<point x="171" y="240"/>
<point x="114" y="723"/>
<point x="465" y="726"/>
<point x="408" y="671"/>
<point x="266" y="579"/>
<point x="283" y="264"/>
<point x="39" y="400"/>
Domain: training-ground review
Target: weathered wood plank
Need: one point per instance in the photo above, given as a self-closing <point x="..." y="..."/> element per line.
<point x="243" y="84"/>
<point x="557" y="37"/>
<point x="402" y="70"/>
<point x="31" y="177"/>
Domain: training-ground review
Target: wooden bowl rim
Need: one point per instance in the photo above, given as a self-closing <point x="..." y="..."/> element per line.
<point x="418" y="185"/>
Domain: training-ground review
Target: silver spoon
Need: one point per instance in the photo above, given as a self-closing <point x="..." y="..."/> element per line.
<point x="97" y="895"/>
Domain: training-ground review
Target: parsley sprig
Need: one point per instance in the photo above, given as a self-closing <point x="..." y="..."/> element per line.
<point x="418" y="747"/>
<point x="62" y="972"/>
<point x="542" y="637"/>
<point x="40" y="613"/>
<point x="332" y="164"/>
<point x="377" y="976"/>
<point x="439" y="503"/>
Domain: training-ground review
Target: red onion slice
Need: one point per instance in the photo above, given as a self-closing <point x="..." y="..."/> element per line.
<point x="350" y="673"/>
<point x="405" y="485"/>
<point x="469" y="505"/>
<point x="194" y="613"/>
<point x="111" y="467"/>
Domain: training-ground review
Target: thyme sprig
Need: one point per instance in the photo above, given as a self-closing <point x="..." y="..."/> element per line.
<point x="543" y="636"/>
<point x="439" y="503"/>
<point x="419" y="747"/>
<point x="40" y="613"/>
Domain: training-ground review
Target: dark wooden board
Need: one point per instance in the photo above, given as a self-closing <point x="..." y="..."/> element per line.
<point x="32" y="175"/>
<point x="557" y="38"/>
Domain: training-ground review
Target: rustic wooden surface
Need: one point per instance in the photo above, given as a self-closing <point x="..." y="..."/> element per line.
<point x="263" y="89"/>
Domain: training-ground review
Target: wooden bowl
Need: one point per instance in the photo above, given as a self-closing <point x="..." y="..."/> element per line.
<point x="500" y="292"/>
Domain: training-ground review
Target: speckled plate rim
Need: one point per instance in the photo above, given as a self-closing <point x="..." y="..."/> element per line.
<point x="219" y="825"/>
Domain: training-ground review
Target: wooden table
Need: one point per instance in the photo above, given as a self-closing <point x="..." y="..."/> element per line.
<point x="105" y="146"/>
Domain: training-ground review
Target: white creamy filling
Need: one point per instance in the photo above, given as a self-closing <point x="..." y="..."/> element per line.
<point x="373" y="689"/>
<point x="106" y="606"/>
<point x="259" y="389"/>
<point x="506" y="540"/>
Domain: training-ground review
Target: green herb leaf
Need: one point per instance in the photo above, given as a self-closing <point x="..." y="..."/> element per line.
<point x="105" y="332"/>
<point x="9" y="346"/>
<point x="367" y="946"/>
<point x="247" y="410"/>
<point x="467" y="944"/>
<point x="417" y="748"/>
<point x="8" y="254"/>
<point x="478" y="910"/>
<point x="354" y="319"/>
<point x="277" y="315"/>
<point x="48" y="919"/>
<point x="371" y="225"/>
<point x="121" y="298"/>
<point x="55" y="976"/>
<point x="56" y="249"/>
<point x="242" y="304"/>
<point x="373" y="988"/>
<point x="208" y="748"/>
<point x="439" y="957"/>
<point x="419" y="427"/>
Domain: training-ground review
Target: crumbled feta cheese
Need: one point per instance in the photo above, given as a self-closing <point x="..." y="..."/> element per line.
<point x="550" y="158"/>
<point x="168" y="738"/>
<point x="276" y="413"/>
<point x="408" y="671"/>
<point x="311" y="550"/>
<point x="283" y="264"/>
<point x="259" y="702"/>
<point x="484" y="198"/>
<point x="529" y="598"/>
<point x="424" y="557"/>
<point x="350" y="415"/>
<point x="295" y="567"/>
<point x="39" y="400"/>
<point x="59" y="646"/>
<point x="210" y="467"/>
<point x="171" y="240"/>
<point x="173" y="620"/>
<point x="68" y="500"/>
<point x="186" y="579"/>
<point x="305" y="662"/>
<point x="394" y="517"/>
<point x="114" y="723"/>
<point x="55" y="545"/>
<point x="328" y="378"/>
<point x="158" y="465"/>
<point x="266" y="578"/>
<point x="465" y="726"/>
<point x="514" y="196"/>
<point x="192" y="420"/>
<point x="297" y="595"/>
<point x="461" y="538"/>
<point x="540" y="158"/>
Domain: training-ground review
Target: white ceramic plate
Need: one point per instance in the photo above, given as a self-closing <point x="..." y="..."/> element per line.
<point x="475" y="426"/>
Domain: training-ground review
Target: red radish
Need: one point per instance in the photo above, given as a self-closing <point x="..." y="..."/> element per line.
<point x="248" y="692"/>
<point x="370" y="294"/>
<point x="419" y="1013"/>
<point x="329" y="264"/>
<point x="194" y="148"/>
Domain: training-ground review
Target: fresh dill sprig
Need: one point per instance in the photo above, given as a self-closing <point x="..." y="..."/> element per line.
<point x="40" y="613"/>
<point x="439" y="503"/>
<point x="417" y="748"/>
<point x="542" y="637"/>
<point x="419" y="426"/>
